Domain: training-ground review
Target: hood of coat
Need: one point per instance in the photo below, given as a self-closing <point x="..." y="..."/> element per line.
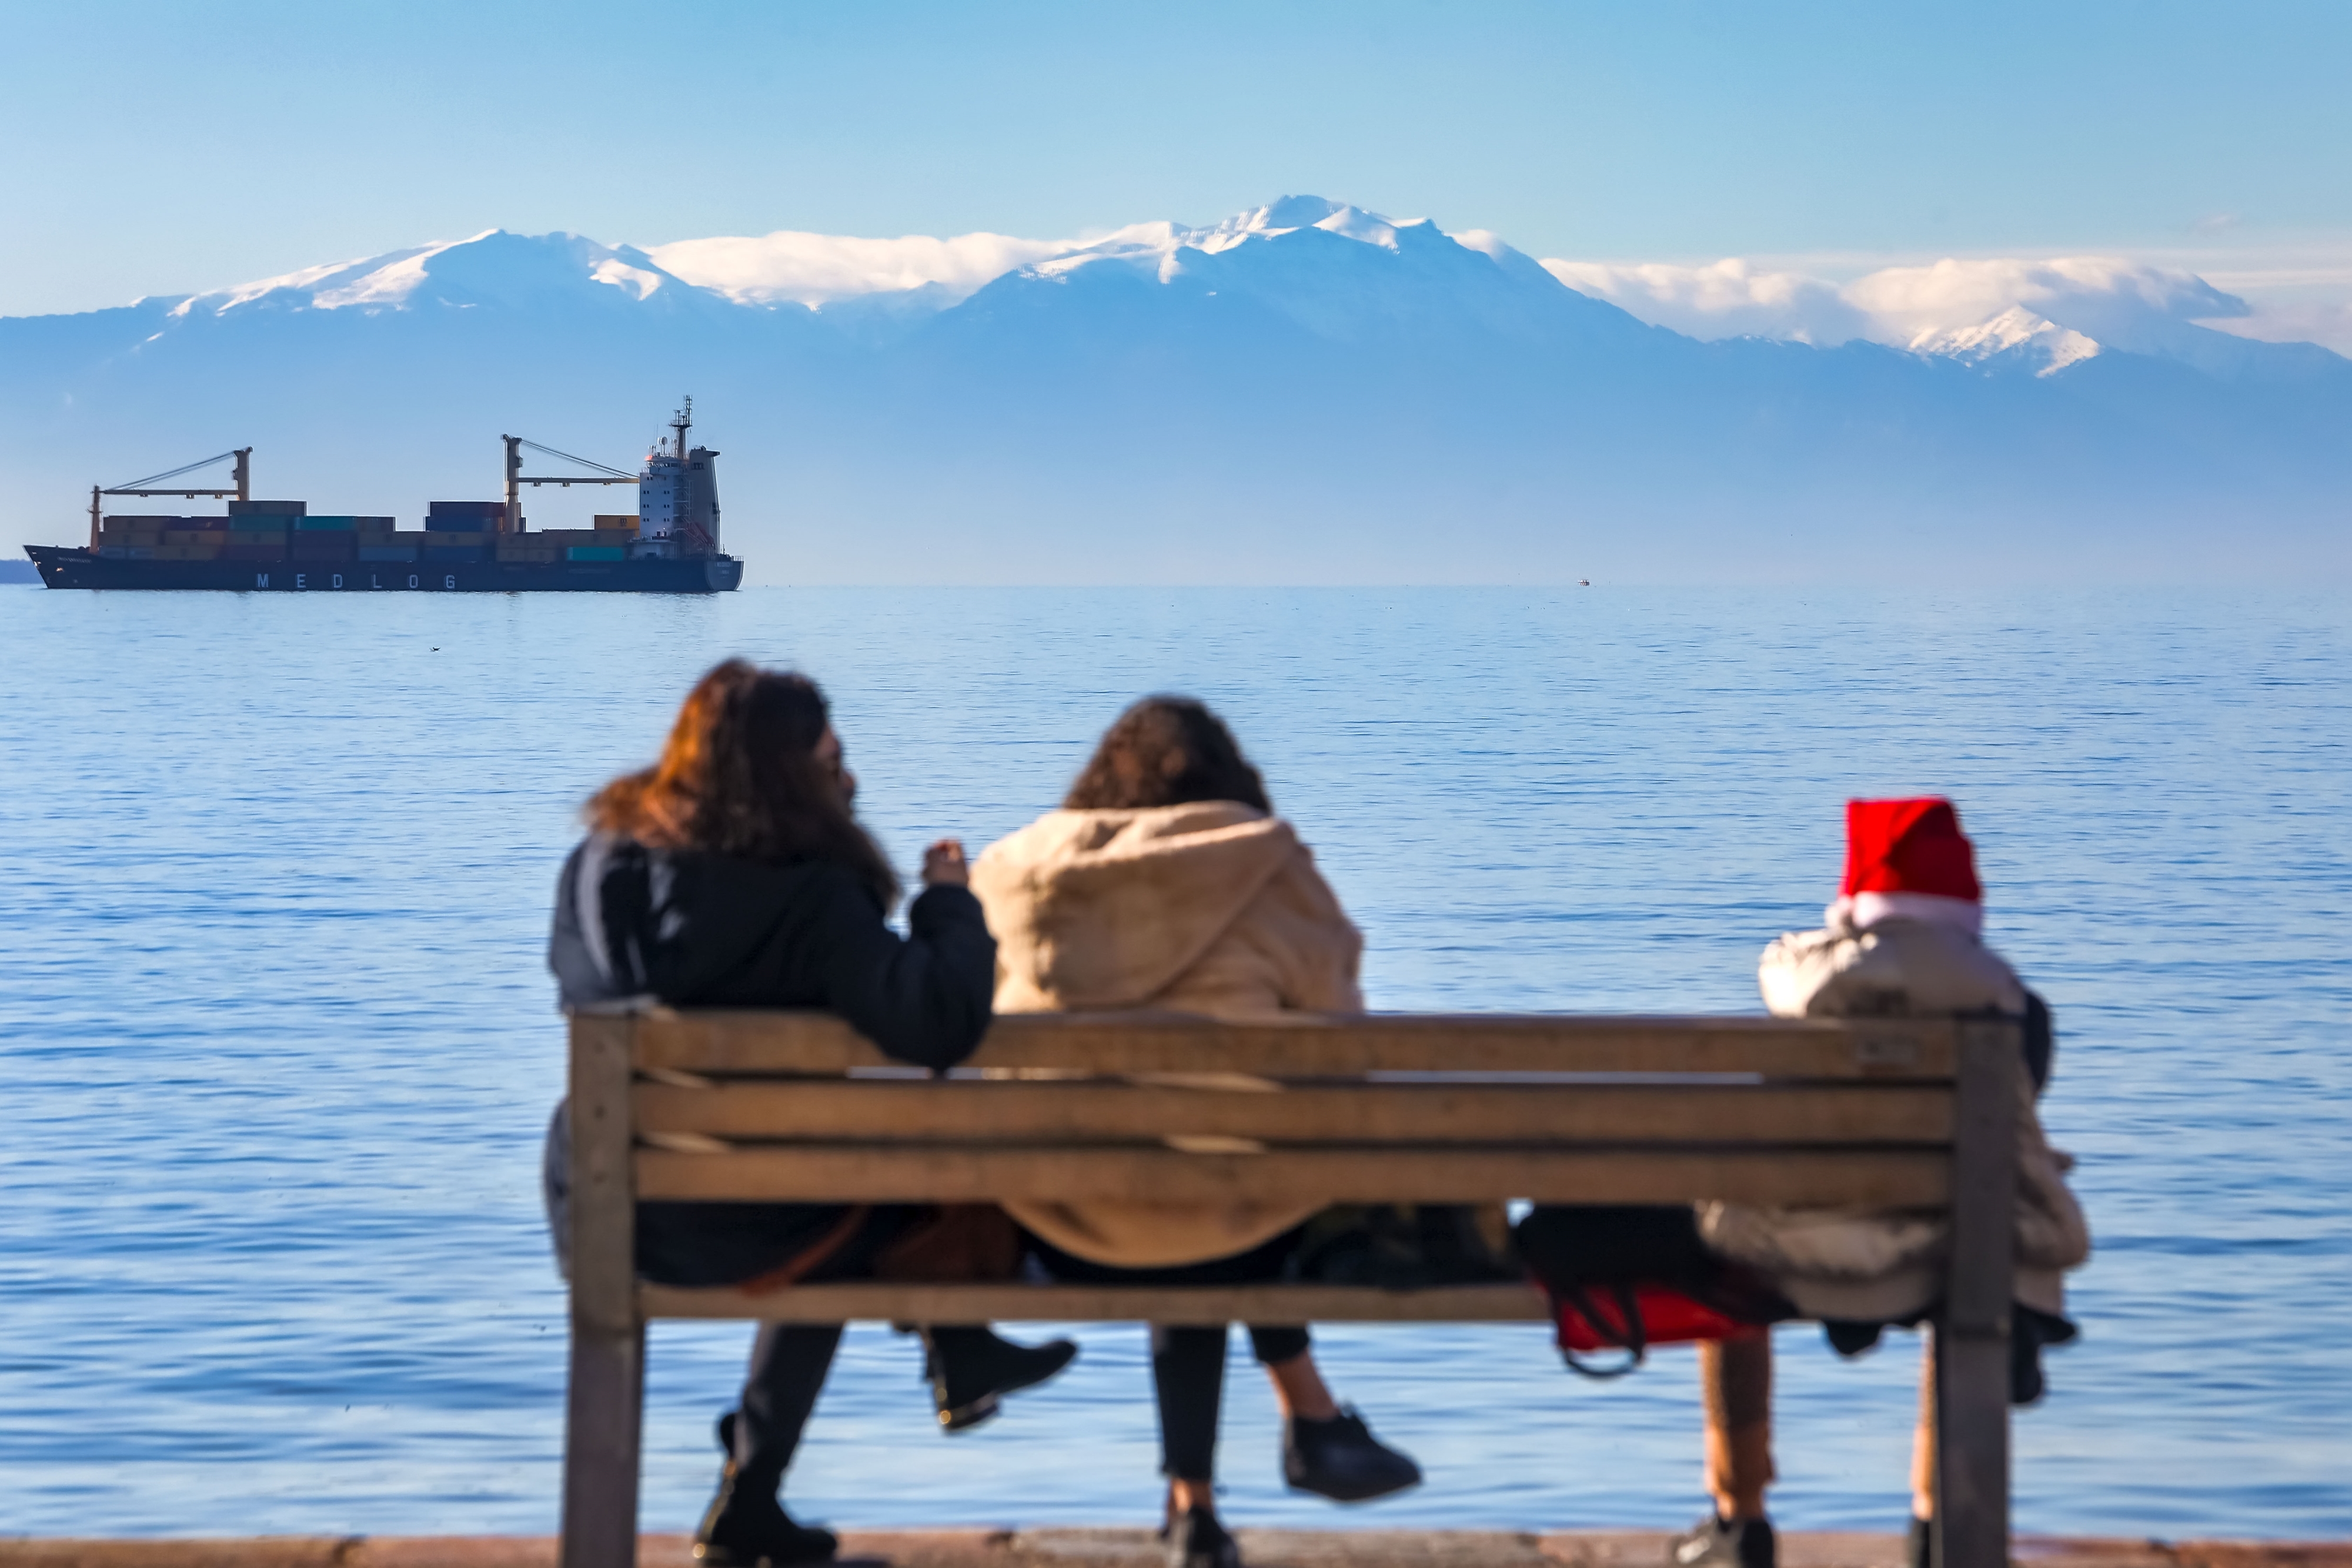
<point x="1102" y="909"/>
<point x="1895" y="966"/>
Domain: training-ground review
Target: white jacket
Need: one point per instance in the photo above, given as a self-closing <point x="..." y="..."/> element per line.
<point x="1882" y="1266"/>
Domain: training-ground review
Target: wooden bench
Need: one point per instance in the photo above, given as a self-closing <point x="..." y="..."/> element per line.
<point x="749" y="1106"/>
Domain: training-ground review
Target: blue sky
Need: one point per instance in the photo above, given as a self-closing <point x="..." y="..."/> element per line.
<point x="158" y="147"/>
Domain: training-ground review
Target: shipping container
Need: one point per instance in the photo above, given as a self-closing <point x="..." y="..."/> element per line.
<point x="315" y="524"/>
<point x="387" y="552"/>
<point x="268" y="509"/>
<point x="464" y="516"/>
<point x="628" y="520"/>
<point x="597" y="552"/>
<point x="275" y="551"/>
<point x="455" y="552"/>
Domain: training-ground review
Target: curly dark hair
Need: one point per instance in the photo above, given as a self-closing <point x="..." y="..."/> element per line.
<point x="740" y="776"/>
<point x="1167" y="751"/>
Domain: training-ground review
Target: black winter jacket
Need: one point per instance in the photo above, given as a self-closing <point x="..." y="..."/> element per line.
<point x="701" y="930"/>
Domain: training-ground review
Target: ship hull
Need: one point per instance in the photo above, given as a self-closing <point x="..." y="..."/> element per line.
<point x="67" y="567"/>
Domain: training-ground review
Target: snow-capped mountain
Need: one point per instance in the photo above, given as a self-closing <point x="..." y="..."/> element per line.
<point x="493" y="269"/>
<point x="1303" y="392"/>
<point x="2016" y="337"/>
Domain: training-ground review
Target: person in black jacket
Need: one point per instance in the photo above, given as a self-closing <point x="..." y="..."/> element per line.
<point x="734" y="873"/>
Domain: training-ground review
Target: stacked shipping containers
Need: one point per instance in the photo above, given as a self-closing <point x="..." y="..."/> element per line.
<point x="461" y="531"/>
<point x="454" y="531"/>
<point x="550" y="545"/>
<point x="250" y="528"/>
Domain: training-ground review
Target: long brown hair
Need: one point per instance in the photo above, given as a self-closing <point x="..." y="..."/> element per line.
<point x="740" y="776"/>
<point x="1167" y="751"/>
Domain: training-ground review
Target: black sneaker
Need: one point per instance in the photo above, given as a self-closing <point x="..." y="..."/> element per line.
<point x="741" y="1530"/>
<point x="1197" y="1541"/>
<point x="1923" y="1543"/>
<point x="971" y="1370"/>
<point x="1340" y="1459"/>
<point x="1719" y="1542"/>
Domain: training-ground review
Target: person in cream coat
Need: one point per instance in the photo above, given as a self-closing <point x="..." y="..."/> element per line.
<point x="1166" y="882"/>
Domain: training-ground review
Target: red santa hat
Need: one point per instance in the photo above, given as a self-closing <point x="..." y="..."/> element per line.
<point x="1907" y="859"/>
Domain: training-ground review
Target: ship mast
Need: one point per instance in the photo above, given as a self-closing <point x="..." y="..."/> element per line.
<point x="682" y="421"/>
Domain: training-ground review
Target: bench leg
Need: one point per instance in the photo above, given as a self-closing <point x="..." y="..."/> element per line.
<point x="1972" y="1339"/>
<point x="602" y="1422"/>
<point x="603" y="1415"/>
<point x="1971" y="1450"/>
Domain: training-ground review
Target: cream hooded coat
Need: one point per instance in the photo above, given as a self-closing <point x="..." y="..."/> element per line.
<point x="1877" y="1267"/>
<point x="1213" y="907"/>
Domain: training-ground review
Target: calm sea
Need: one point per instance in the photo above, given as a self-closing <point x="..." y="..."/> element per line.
<point x="278" y="1046"/>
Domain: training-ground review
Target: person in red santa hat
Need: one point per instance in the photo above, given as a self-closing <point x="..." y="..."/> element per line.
<point x="1905" y="937"/>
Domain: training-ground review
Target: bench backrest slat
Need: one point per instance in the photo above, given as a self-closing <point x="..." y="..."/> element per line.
<point x="947" y="1173"/>
<point x="1315" y="1045"/>
<point x="1097" y="1111"/>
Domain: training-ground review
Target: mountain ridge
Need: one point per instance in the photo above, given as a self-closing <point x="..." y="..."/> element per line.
<point x="1307" y="391"/>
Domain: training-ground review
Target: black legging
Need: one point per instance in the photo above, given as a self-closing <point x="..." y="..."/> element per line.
<point x="1188" y="1360"/>
<point x="789" y="1362"/>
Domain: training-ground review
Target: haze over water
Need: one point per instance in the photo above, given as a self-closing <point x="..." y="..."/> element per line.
<point x="280" y="1046"/>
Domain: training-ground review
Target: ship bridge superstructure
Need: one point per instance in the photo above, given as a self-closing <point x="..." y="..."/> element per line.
<point x="678" y="496"/>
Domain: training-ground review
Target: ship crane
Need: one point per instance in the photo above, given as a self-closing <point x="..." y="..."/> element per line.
<point x="243" y="491"/>
<point x="517" y="478"/>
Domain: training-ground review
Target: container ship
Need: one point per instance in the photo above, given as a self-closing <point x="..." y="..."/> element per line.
<point x="668" y="545"/>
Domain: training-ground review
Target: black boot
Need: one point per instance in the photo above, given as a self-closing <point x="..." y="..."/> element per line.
<point x="1719" y="1543"/>
<point x="1923" y="1543"/>
<point x="1340" y="1459"/>
<point x="971" y="1370"/>
<point x="1195" y="1540"/>
<point x="746" y="1527"/>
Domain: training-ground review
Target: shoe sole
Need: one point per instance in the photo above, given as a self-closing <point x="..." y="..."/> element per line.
<point x="964" y="1417"/>
<point x="1351" y="1496"/>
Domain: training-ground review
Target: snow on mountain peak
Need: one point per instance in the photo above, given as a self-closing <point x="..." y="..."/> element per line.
<point x="786" y="267"/>
<point x="1160" y="247"/>
<point x="493" y="264"/>
<point x="1290" y="214"/>
<point x="2016" y="335"/>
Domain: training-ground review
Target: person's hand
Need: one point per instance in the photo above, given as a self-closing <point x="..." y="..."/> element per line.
<point x="943" y="865"/>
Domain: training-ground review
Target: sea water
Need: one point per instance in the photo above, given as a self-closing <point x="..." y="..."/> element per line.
<point x="277" y="1045"/>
